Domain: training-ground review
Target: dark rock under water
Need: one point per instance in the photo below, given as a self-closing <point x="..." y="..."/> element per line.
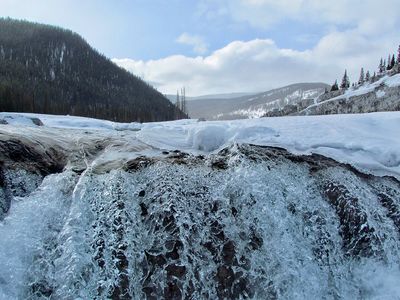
<point x="247" y="222"/>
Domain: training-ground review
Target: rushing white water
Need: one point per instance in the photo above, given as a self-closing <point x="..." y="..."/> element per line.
<point x="247" y="222"/>
<point x="30" y="227"/>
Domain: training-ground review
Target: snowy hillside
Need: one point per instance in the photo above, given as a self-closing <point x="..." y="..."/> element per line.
<point x="256" y="110"/>
<point x="225" y="96"/>
<point x="254" y="105"/>
<point x="382" y="95"/>
<point x="270" y="208"/>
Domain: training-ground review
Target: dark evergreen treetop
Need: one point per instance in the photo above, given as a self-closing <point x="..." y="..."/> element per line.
<point x="392" y="62"/>
<point x="381" y="67"/>
<point x="345" y="81"/>
<point x="47" y="69"/>
<point x="398" y="55"/>
<point x="362" y="77"/>
<point x="367" y="77"/>
<point x="335" y="86"/>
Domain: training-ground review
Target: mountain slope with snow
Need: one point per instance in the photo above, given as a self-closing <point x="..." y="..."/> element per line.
<point x="282" y="208"/>
<point x="255" y="105"/>
<point x="172" y="98"/>
<point x="382" y="95"/>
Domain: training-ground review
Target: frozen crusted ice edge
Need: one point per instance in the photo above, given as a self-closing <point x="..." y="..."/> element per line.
<point x="370" y="142"/>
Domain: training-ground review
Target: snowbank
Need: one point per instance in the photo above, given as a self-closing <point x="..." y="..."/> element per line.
<point x="370" y="142"/>
<point x="66" y="122"/>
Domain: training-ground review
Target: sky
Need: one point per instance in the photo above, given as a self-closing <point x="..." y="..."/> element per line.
<point x="224" y="46"/>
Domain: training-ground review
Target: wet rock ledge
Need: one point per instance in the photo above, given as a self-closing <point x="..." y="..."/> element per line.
<point x="232" y="225"/>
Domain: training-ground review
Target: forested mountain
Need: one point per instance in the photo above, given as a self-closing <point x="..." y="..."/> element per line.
<point x="46" y="69"/>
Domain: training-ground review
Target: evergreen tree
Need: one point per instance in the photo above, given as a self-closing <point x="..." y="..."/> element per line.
<point x="389" y="67"/>
<point x="335" y="86"/>
<point x="177" y="103"/>
<point x="398" y="55"/>
<point x="381" y="67"/>
<point x="367" y="77"/>
<point x="392" y="62"/>
<point x="362" y="79"/>
<point x="184" y="107"/>
<point x="373" y="79"/>
<point x="183" y="100"/>
<point x="345" y="81"/>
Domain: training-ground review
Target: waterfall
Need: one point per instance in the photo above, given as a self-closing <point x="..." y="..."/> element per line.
<point x="247" y="222"/>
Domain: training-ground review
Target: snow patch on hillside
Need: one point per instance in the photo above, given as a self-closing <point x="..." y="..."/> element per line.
<point x="380" y="94"/>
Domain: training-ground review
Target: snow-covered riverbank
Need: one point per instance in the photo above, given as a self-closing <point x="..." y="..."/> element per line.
<point x="370" y="142"/>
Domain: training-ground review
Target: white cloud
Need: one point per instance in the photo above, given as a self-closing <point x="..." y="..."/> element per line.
<point x="364" y="14"/>
<point x="197" y="42"/>
<point x="259" y="65"/>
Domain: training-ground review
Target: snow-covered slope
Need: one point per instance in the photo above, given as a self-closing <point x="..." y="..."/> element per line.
<point x="382" y="95"/>
<point x="225" y="96"/>
<point x="256" y="105"/>
<point x="255" y="109"/>
<point x="91" y="209"/>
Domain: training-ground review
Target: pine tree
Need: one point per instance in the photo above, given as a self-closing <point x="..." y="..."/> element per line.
<point x="392" y="62"/>
<point x="398" y="55"/>
<point x="178" y="102"/>
<point x="397" y="64"/>
<point x="345" y="81"/>
<point x="335" y="86"/>
<point x="388" y="63"/>
<point x="183" y="102"/>
<point x="362" y="79"/>
<point x="367" y="77"/>
<point x="381" y="67"/>
<point x="373" y="79"/>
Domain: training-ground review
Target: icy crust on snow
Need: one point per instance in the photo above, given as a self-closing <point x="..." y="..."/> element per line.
<point x="72" y="122"/>
<point x="371" y="142"/>
<point x="257" y="225"/>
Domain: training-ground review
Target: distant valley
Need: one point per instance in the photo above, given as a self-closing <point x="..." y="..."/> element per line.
<point x="253" y="105"/>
